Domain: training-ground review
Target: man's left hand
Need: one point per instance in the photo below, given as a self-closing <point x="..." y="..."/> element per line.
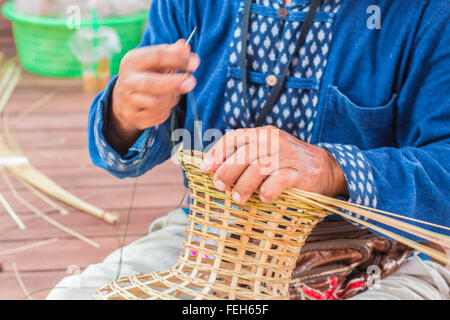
<point x="272" y="161"/>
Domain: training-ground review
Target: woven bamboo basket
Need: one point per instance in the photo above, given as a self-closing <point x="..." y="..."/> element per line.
<point x="248" y="251"/>
<point x="231" y="251"/>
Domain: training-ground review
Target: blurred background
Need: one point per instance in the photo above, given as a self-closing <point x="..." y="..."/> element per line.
<point x="67" y="50"/>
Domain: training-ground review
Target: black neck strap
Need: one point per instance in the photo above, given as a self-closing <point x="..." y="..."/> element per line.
<point x="276" y="90"/>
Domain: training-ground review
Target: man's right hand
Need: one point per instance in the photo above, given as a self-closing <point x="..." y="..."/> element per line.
<point x="147" y="89"/>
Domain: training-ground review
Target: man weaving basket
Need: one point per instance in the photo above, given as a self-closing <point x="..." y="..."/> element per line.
<point x="356" y="93"/>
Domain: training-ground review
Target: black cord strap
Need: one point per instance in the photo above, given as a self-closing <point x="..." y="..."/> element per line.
<point x="243" y="58"/>
<point x="276" y="90"/>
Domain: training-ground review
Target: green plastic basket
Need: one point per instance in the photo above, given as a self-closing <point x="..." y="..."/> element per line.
<point x="42" y="43"/>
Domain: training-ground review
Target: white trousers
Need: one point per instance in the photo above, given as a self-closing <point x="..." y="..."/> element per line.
<point x="159" y="250"/>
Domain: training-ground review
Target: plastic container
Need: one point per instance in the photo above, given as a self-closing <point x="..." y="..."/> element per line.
<point x="42" y="43"/>
<point x="94" y="48"/>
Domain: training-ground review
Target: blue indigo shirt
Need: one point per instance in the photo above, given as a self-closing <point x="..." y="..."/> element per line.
<point x="378" y="99"/>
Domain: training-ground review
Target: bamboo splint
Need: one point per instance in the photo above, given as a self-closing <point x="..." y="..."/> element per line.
<point x="35" y="178"/>
<point x="45" y="217"/>
<point x="9" y="78"/>
<point x="30" y="175"/>
<point x="20" y="281"/>
<point x="246" y="251"/>
<point x="28" y="247"/>
<point x="44" y="198"/>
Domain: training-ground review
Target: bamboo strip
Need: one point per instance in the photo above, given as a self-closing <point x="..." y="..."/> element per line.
<point x="10" y="86"/>
<point x="28" y="247"/>
<point x="428" y="251"/>
<point x="342" y="202"/>
<point x="12" y="213"/>
<point x="36" y="105"/>
<point x="441" y="239"/>
<point x="28" y="174"/>
<point x="45" y="217"/>
<point x="414" y="230"/>
<point x="45" y="199"/>
<point x="6" y="73"/>
<point x="19" y="280"/>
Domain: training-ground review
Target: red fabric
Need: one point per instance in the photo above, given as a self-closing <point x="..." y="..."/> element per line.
<point x="335" y="292"/>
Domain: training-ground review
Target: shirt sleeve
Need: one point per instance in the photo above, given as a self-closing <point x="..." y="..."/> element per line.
<point x="357" y="171"/>
<point x="165" y="25"/>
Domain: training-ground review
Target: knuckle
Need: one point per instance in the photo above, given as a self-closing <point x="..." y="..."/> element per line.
<point x="220" y="175"/>
<point x="127" y="59"/>
<point x="126" y="83"/>
<point x="158" y="55"/>
<point x="242" y="155"/>
<point x="257" y="168"/>
<point x="282" y="179"/>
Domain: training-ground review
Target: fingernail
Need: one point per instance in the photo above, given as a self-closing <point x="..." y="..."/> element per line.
<point x="262" y="198"/>
<point x="188" y="84"/>
<point x="194" y="63"/>
<point x="237" y="197"/>
<point x="219" y="185"/>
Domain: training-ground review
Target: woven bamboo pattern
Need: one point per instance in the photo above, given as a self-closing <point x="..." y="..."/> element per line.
<point x="231" y="251"/>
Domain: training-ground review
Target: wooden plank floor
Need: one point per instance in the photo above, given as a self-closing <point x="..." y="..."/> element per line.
<point x="54" y="139"/>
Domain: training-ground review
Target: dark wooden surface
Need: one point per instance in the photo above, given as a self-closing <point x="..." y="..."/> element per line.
<point x="54" y="139"/>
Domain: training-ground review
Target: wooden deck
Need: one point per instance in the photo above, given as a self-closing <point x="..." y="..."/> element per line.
<point x="54" y="139"/>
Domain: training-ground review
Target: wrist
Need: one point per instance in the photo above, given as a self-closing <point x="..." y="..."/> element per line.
<point x="339" y="180"/>
<point x="119" y="133"/>
<point x="336" y="182"/>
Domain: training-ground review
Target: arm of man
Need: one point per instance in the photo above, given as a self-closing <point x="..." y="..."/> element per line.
<point x="128" y="121"/>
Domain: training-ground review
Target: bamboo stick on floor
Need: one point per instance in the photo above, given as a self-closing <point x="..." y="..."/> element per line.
<point x="45" y="199"/>
<point x="12" y="213"/>
<point x="10" y="75"/>
<point x="28" y="174"/>
<point x="20" y="281"/>
<point x="28" y="247"/>
<point x="40" y="214"/>
<point x="36" y="105"/>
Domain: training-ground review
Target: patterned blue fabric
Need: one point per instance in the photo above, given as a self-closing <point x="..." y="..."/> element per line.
<point x="358" y="173"/>
<point x="377" y="100"/>
<point x="271" y="42"/>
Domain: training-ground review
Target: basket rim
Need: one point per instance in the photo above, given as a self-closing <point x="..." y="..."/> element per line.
<point x="10" y="14"/>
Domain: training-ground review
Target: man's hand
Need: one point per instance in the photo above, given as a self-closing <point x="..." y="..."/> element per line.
<point x="147" y="89"/>
<point x="273" y="161"/>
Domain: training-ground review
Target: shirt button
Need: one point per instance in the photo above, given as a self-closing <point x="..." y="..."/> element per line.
<point x="271" y="80"/>
<point x="283" y="13"/>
